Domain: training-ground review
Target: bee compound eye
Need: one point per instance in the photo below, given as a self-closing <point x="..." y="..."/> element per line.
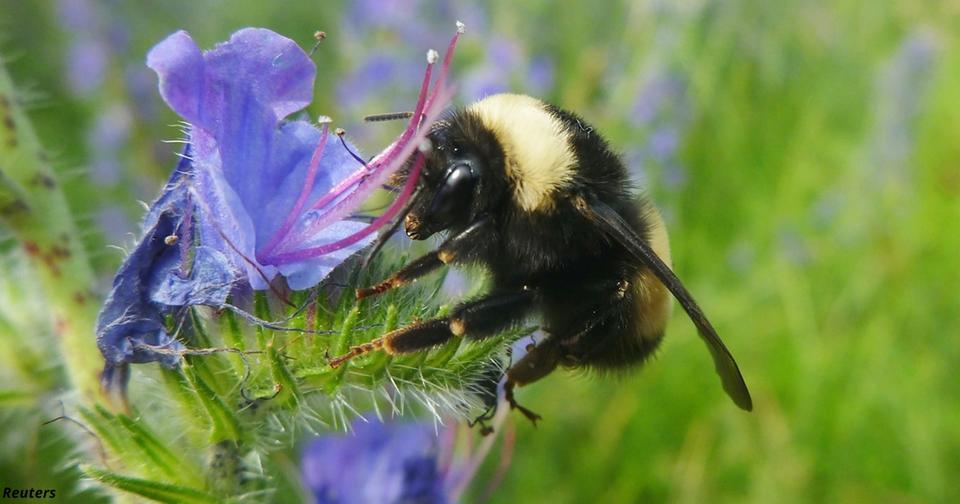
<point x="454" y="195"/>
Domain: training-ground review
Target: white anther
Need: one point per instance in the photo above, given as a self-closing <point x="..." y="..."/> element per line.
<point x="432" y="56"/>
<point x="461" y="27"/>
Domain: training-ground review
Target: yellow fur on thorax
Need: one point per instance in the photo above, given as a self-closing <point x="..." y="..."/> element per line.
<point x="653" y="300"/>
<point x="536" y="147"/>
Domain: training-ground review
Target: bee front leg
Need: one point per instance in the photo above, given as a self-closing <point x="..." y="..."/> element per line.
<point x="456" y="248"/>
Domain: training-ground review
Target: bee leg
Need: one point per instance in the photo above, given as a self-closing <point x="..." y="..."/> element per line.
<point x="544" y="358"/>
<point x="451" y="250"/>
<point x="537" y="363"/>
<point x="387" y="233"/>
<point x="487" y="387"/>
<point x="474" y="320"/>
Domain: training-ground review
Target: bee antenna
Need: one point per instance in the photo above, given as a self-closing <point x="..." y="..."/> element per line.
<point x="389" y="116"/>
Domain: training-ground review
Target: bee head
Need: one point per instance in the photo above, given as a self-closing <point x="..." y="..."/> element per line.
<point x="453" y="177"/>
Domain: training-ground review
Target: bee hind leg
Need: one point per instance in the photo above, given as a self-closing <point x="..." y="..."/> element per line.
<point x="537" y="363"/>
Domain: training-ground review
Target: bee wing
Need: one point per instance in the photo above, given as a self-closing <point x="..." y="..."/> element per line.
<point x="616" y="228"/>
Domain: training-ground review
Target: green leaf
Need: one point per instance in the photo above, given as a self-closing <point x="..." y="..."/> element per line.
<point x="154" y="490"/>
<point x="176" y="467"/>
<point x="224" y="423"/>
<point x="281" y="375"/>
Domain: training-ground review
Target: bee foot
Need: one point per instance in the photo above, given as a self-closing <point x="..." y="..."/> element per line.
<point x="533" y="417"/>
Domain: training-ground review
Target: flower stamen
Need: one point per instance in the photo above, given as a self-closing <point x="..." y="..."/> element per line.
<point x="373" y="174"/>
<point x="447" y="59"/>
<point x="377" y="223"/>
<point x="284" y="229"/>
<point x="341" y="133"/>
<point x="319" y="36"/>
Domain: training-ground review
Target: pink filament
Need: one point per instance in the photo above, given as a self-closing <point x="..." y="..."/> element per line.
<point x="307" y="186"/>
<point x="383" y="159"/>
<point x="383" y="168"/>
<point x="358" y="175"/>
<point x="444" y="68"/>
<point x="369" y="178"/>
<point x="415" y="118"/>
<point x="391" y="212"/>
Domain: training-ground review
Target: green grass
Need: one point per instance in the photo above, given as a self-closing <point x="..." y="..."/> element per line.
<point x="826" y="256"/>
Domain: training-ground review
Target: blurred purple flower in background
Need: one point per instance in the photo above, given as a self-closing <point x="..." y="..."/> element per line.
<point x="88" y="53"/>
<point x="661" y="97"/>
<point x="97" y="43"/>
<point x="902" y="87"/>
<point x="252" y="198"/>
<point x="417" y="462"/>
<point x="107" y="138"/>
<point x="540" y="76"/>
<point x="377" y="462"/>
<point x="373" y="45"/>
<point x="394" y="462"/>
<point x="661" y="109"/>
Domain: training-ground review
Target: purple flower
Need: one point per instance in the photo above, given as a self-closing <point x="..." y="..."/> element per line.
<point x="247" y="170"/>
<point x="401" y="462"/>
<point x="411" y="462"/>
<point x="253" y="197"/>
<point x="130" y="327"/>
<point x="274" y="198"/>
<point x="377" y="462"/>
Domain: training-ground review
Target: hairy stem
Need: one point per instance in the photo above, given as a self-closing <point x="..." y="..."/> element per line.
<point x="33" y="207"/>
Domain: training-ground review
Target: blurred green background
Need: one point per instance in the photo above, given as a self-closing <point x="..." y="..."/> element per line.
<point x="805" y="154"/>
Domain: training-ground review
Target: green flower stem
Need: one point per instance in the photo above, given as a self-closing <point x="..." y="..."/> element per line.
<point x="229" y="438"/>
<point x="33" y="206"/>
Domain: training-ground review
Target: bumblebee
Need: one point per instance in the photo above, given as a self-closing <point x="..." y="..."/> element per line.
<point x="534" y="194"/>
